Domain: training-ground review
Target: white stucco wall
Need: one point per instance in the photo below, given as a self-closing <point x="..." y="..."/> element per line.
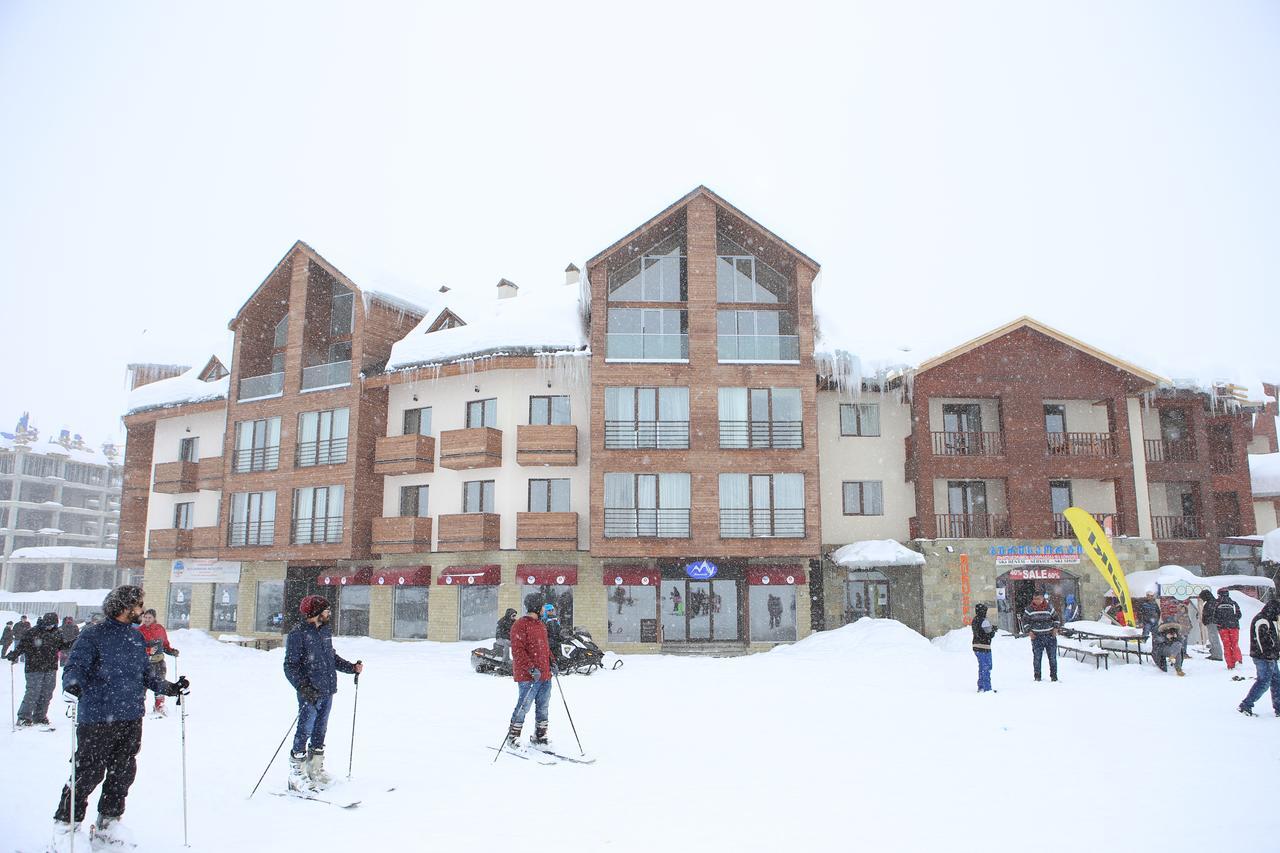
<point x="1264" y="516"/>
<point x="1083" y="415"/>
<point x="846" y="458"/>
<point x="209" y="428"/>
<point x="995" y="497"/>
<point x="1094" y="495"/>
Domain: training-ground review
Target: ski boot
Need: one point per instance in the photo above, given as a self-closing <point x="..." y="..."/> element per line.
<point x="1248" y="712"/>
<point x="513" y="738"/>
<point x="315" y="768"/>
<point x="65" y="836"/>
<point x="106" y="833"/>
<point x="299" y="781"/>
<point x="540" y="739"/>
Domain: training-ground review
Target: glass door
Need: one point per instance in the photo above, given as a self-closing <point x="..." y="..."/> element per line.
<point x="700" y="611"/>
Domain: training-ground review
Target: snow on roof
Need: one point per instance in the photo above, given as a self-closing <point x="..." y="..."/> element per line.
<point x="876" y="552"/>
<point x="1140" y="583"/>
<point x="1264" y="472"/>
<point x="545" y="320"/>
<point x="1271" y="546"/>
<point x="82" y="597"/>
<point x="177" y="390"/>
<point x="65" y="553"/>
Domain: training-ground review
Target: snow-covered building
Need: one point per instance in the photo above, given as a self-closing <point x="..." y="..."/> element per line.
<point x="57" y="493"/>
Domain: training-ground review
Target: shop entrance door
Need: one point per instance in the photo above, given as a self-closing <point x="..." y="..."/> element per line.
<point x="700" y="611"/>
<point x="866" y="594"/>
<point x="1015" y="588"/>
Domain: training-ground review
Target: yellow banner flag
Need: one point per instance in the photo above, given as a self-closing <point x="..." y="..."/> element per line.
<point x="1099" y="549"/>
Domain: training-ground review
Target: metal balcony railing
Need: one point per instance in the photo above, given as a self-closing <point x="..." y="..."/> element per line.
<point x="1112" y="523"/>
<point x="317" y="530"/>
<point x="973" y="526"/>
<point x="1177" y="526"/>
<point x="779" y="435"/>
<point x="259" y="387"/>
<point x="1170" y="449"/>
<point x="633" y="523"/>
<point x="331" y="375"/>
<point x="332" y="451"/>
<point x="762" y="523"/>
<point x="636" y="346"/>
<point x="1081" y="444"/>
<point x="968" y="444"/>
<point x="252" y="532"/>
<point x="256" y="459"/>
<point x="758" y="347"/>
<point x="660" y="435"/>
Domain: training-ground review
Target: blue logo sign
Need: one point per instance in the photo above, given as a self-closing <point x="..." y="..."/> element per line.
<point x="701" y="570"/>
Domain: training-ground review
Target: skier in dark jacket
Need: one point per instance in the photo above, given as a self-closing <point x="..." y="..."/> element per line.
<point x="983" y="633"/>
<point x="1209" y="624"/>
<point x="1148" y="613"/>
<point x="531" y="668"/>
<point x="6" y="639"/>
<point x="1041" y="622"/>
<point x="1264" y="648"/>
<point x="70" y="633"/>
<point x="1227" y="615"/>
<point x="502" y="635"/>
<point x="40" y="646"/>
<point x="312" y="667"/>
<point x="109" y="674"/>
<point x="20" y="627"/>
<point x="555" y="635"/>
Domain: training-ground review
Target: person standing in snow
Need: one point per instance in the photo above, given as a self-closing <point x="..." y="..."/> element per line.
<point x="983" y="633"/>
<point x="312" y="667"/>
<point x="157" y="640"/>
<point x="502" y="635"/>
<point x="555" y="636"/>
<point x="1227" y="614"/>
<point x="531" y="670"/>
<point x="20" y="627"/>
<point x="1041" y="622"/>
<point x="6" y="639"/>
<point x="1149" y="613"/>
<point x="70" y="633"/>
<point x="1264" y="648"/>
<point x="41" y="647"/>
<point x="1209" y="624"/>
<point x="1172" y="649"/>
<point x="109" y="674"/>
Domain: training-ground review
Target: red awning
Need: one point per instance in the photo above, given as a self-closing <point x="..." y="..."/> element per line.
<point x="775" y="575"/>
<point x="631" y="576"/>
<point x="361" y="576"/>
<point x="490" y="575"/>
<point x="535" y="575"/>
<point x="411" y="576"/>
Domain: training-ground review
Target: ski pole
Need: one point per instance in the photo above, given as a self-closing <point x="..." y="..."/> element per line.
<point x="351" y="753"/>
<point x="273" y="755"/>
<point x="182" y="714"/>
<point x="72" y="710"/>
<point x="581" y="751"/>
<point x="13" y="715"/>
<point x="502" y="744"/>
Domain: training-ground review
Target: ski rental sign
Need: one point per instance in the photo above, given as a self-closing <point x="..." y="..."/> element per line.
<point x="702" y="570"/>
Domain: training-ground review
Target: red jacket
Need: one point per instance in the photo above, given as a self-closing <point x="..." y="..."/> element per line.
<point x="529" y="649"/>
<point x="156" y="638"/>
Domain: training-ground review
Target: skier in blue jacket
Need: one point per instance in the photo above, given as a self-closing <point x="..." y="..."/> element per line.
<point x="311" y="665"/>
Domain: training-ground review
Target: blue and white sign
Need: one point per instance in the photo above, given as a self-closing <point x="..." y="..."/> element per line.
<point x="702" y="570"/>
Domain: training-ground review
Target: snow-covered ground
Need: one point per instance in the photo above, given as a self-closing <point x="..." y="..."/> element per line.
<point x="867" y="737"/>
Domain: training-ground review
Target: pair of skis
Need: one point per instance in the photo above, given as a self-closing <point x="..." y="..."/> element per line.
<point x="541" y="756"/>
<point x="320" y="797"/>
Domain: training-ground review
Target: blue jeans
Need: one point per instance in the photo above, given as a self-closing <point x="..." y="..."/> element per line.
<point x="984" y="669"/>
<point x="1040" y="644"/>
<point x="313" y="721"/>
<point x="536" y="692"/>
<point x="1268" y="676"/>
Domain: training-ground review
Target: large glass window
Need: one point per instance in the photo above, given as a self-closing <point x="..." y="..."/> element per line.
<point x="646" y="505"/>
<point x="317" y="514"/>
<point x="646" y="417"/>
<point x="182" y="515"/>
<point x="549" y="495"/>
<point x="860" y="419"/>
<point x="269" y="609"/>
<point x="179" y="615"/>
<point x="742" y="277"/>
<point x="257" y="445"/>
<point x="639" y="334"/>
<point x="477" y="612"/>
<point x="189" y="449"/>
<point x="280" y="337"/>
<point x="761" y="505"/>
<point x="413" y="501"/>
<point x="343" y="305"/>
<point x="757" y="336"/>
<point x="353" y="611"/>
<point x="482" y="413"/>
<point x="477" y="496"/>
<point x="409" y="606"/>
<point x="659" y="275"/>
<point x="761" y="417"/>
<point x="629" y="606"/>
<point x="417" y="421"/>
<point x="863" y="497"/>
<point x="549" y="410"/>
<point x="226" y="598"/>
<point x="322" y="437"/>
<point x="773" y="613"/>
<point x="253" y="518"/>
<point x="559" y="596"/>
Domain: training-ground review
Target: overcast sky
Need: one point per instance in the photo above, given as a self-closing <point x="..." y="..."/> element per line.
<point x="1109" y="168"/>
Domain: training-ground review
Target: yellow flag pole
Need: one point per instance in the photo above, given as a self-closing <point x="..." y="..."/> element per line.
<point x="1096" y="544"/>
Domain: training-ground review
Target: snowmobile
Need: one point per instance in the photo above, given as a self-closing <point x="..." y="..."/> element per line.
<point x="578" y="653"/>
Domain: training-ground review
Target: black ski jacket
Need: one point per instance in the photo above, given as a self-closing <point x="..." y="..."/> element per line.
<point x="1264" y="633"/>
<point x="41" y="646"/>
<point x="1227" y="612"/>
<point x="504" y="627"/>
<point x="983" y="631"/>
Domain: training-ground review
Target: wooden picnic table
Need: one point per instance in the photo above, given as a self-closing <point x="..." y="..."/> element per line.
<point x="1112" y="638"/>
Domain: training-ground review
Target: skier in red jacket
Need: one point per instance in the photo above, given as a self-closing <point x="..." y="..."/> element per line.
<point x="157" y="641"/>
<point x="531" y="668"/>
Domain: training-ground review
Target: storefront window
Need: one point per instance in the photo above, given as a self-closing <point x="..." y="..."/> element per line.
<point x="866" y="593"/>
<point x="270" y="607"/>
<point x="477" y="612"/>
<point x="560" y="596"/>
<point x="773" y="613"/>
<point x="353" y="611"/>
<point x="179" y="606"/>
<point x="629" y="607"/>
<point x="226" y="597"/>
<point x="672" y="610"/>
<point x="410" y="613"/>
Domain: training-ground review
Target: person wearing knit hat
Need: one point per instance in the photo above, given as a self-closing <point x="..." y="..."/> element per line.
<point x="41" y="646"/>
<point x="311" y="665"/>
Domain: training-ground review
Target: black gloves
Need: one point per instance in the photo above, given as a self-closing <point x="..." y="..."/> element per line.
<point x="308" y="693"/>
<point x="535" y="674"/>
<point x="181" y="687"/>
<point x="173" y="652"/>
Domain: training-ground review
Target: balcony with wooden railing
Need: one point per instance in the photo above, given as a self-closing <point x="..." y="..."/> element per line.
<point x="541" y="444"/>
<point x="469" y="531"/>
<point x="404" y="454"/>
<point x="547" y="531"/>
<point x="478" y="447"/>
<point x="1112" y="523"/>
<point x="1170" y="450"/>
<point x="402" y="535"/>
<point x="175" y="478"/>
<point x="1177" y="527"/>
<point x="968" y="444"/>
<point x="209" y="473"/>
<point x="1092" y="444"/>
<point x="990" y="525"/>
<point x="169" y="543"/>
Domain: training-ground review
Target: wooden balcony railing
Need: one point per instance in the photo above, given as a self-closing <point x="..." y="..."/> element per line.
<point x="404" y="454"/>
<point x="402" y="535"/>
<point x="973" y="526"/>
<point x="547" y="531"/>
<point x="169" y="543"/>
<point x="174" y="478"/>
<point x="555" y="444"/>
<point x="209" y="473"/>
<point x="463" y="449"/>
<point x="469" y="531"/>
<point x="205" y="541"/>
<point x="1081" y="444"/>
<point x="1112" y="523"/>
<point x="1177" y="526"/>
<point x="968" y="444"/>
<point x="1170" y="450"/>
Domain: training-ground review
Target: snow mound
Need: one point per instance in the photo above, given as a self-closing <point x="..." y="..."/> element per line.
<point x="1264" y="472"/>
<point x="876" y="552"/>
<point x="955" y="640"/>
<point x="1271" y="546"/>
<point x="177" y="390"/>
<point x="887" y="638"/>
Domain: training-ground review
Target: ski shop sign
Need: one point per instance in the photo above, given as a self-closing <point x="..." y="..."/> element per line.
<point x="703" y="570"/>
<point x="204" y="571"/>
<point x="1036" y="555"/>
<point x="1035" y="574"/>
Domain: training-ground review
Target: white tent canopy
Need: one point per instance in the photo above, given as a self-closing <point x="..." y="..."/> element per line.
<point x="1140" y="583"/>
<point x="873" y="553"/>
<point x="1271" y="546"/>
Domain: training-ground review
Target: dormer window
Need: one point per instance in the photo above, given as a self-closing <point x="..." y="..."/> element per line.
<point x="657" y="275"/>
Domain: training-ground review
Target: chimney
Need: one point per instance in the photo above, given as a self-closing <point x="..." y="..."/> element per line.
<point x="572" y="275"/>
<point x="507" y="289"/>
<point x="444" y="288"/>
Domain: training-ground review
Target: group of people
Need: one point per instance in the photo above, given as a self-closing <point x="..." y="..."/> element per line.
<point x="1220" y="616"/>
